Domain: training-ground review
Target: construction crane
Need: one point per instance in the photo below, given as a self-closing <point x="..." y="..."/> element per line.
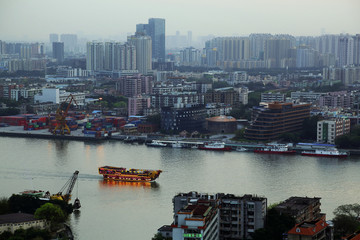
<point x="69" y="185"/>
<point x="61" y="115"/>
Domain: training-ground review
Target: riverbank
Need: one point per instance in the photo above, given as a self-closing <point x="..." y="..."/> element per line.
<point x="18" y="131"/>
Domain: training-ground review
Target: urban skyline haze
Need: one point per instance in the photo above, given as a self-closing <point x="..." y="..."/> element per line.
<point x="33" y="20"/>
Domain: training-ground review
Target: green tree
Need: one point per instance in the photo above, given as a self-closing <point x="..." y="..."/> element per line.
<point x="4" y="206"/>
<point x="50" y="212"/>
<point x="276" y="225"/>
<point x="346" y="220"/>
<point x="310" y="127"/>
<point x="158" y="236"/>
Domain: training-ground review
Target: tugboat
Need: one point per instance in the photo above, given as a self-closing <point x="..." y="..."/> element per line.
<point x="215" y="146"/>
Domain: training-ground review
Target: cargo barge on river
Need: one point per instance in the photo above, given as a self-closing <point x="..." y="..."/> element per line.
<point x="130" y="175"/>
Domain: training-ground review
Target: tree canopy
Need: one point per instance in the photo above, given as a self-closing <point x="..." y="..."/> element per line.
<point x="50" y="212"/>
<point x="346" y="220"/>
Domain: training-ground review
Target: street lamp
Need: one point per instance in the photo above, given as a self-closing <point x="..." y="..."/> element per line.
<point x="100" y="105"/>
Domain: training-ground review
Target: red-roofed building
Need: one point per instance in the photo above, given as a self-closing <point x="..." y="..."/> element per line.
<point x="354" y="236"/>
<point x="311" y="230"/>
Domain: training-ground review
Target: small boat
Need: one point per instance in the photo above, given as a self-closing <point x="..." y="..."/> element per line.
<point x="215" y="146"/>
<point x="177" y="145"/>
<point x="33" y="193"/>
<point x="156" y="144"/>
<point x="275" y="149"/>
<point x="130" y="175"/>
<point x="241" y="149"/>
<point x="325" y="153"/>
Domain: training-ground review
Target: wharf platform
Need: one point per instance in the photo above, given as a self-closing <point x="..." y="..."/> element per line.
<point x="18" y="131"/>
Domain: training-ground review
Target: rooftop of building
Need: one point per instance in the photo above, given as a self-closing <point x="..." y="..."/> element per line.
<point x="221" y="118"/>
<point x="16" y="218"/>
<point x="297" y="203"/>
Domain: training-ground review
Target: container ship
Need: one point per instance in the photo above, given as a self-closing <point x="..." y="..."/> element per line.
<point x="130" y="175"/>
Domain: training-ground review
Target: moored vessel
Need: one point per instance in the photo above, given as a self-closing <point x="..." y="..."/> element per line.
<point x="215" y="146"/>
<point x="275" y="149"/>
<point x="156" y="144"/>
<point x="325" y="153"/>
<point x="131" y="174"/>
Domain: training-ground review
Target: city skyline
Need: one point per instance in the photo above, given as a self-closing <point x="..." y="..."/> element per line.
<point x="231" y="18"/>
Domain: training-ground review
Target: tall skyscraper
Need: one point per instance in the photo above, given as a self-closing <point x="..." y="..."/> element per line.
<point x="58" y="51"/>
<point x="156" y="30"/>
<point x="94" y="56"/>
<point x="143" y="52"/>
<point x="157" y="34"/>
<point x="53" y="37"/>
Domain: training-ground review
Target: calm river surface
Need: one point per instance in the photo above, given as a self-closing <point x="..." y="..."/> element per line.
<point x="136" y="211"/>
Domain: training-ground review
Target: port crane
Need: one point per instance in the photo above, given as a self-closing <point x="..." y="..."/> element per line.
<point x="69" y="185"/>
<point x="61" y="114"/>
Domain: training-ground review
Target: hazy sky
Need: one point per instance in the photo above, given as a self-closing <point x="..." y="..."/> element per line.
<point x="24" y="20"/>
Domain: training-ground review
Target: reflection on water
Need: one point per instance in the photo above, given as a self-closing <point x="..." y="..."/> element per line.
<point x="118" y="184"/>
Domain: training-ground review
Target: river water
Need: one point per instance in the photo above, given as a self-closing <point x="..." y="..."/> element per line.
<point x="115" y="210"/>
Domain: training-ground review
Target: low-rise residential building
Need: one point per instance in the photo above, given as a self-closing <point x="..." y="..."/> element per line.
<point x="217" y="109"/>
<point x="223" y="95"/>
<point x="196" y="221"/>
<point x="272" y="97"/>
<point x="301" y="208"/>
<point x="309" y="97"/>
<point x="354" y="236"/>
<point x="341" y="99"/>
<point x="328" y="130"/>
<point x="15" y="221"/>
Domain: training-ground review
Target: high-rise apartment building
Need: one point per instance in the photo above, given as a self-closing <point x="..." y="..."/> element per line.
<point x="124" y="57"/>
<point x="53" y="37"/>
<point x="70" y="42"/>
<point x="257" y="44"/>
<point x="94" y="56"/>
<point x="109" y="56"/>
<point x="58" y="51"/>
<point x="143" y="48"/>
<point x="346" y="51"/>
<point x="156" y="30"/>
<point x="275" y="51"/>
<point x="190" y="57"/>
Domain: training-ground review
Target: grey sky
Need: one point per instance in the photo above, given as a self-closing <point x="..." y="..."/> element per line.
<point x="35" y="19"/>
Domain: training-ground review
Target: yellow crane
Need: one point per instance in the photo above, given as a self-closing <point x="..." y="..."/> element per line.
<point x="61" y="115"/>
<point x="70" y="185"/>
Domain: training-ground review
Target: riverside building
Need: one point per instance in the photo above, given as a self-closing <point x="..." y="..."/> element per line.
<point x="218" y="216"/>
<point x="276" y="118"/>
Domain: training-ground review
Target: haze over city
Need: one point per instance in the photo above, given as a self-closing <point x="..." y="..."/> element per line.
<point x="109" y="19"/>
